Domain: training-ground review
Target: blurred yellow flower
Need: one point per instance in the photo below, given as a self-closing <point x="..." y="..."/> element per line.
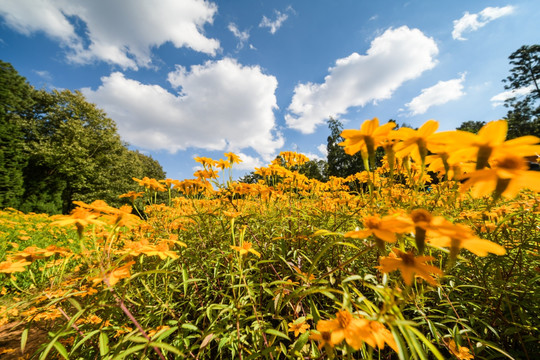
<point x="506" y="177"/>
<point x="409" y="266"/>
<point x="119" y="273"/>
<point x="80" y="217"/>
<point x="457" y="237"/>
<point x="354" y="331"/>
<point x="462" y="353"/>
<point x="368" y="138"/>
<point x="382" y="228"/>
<point x="245" y="249"/>
<point x="9" y="267"/>
<point x="415" y="139"/>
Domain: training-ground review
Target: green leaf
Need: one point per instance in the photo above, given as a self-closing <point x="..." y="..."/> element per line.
<point x="24" y="339"/>
<point x="75" y="303"/>
<point x="61" y="349"/>
<point x="103" y="344"/>
<point x="130" y="351"/>
<point x="428" y="343"/>
<point x="166" y="346"/>
<point x="299" y="344"/>
<point x="189" y="327"/>
<point x="352" y="278"/>
<point x="277" y="333"/>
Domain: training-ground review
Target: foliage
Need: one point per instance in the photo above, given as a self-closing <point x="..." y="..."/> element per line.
<point x="524" y="115"/>
<point x="471" y="126"/>
<point x="15" y="95"/>
<point x="57" y="148"/>
<point x="294" y="268"/>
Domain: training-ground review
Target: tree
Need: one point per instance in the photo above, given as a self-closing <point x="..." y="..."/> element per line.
<point x="314" y="169"/>
<point x="524" y="115"/>
<point x="77" y="154"/>
<point x="339" y="163"/>
<point x="15" y="97"/>
<point x="471" y="126"/>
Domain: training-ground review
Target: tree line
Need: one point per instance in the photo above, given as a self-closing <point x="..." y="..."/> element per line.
<point x="55" y="147"/>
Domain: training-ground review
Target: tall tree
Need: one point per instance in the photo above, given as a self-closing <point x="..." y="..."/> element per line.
<point x="524" y="114"/>
<point x="15" y="97"/>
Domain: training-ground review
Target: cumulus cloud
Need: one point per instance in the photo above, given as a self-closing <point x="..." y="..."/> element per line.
<point x="500" y="98"/>
<point x="248" y="162"/>
<point x="394" y="57"/>
<point x="472" y="22"/>
<point x="275" y="24"/>
<point x="242" y="36"/>
<point x="221" y="105"/>
<point x="438" y="94"/>
<point x="121" y="32"/>
<point x="323" y="149"/>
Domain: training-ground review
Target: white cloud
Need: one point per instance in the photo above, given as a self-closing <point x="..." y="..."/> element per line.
<point x="275" y="24"/>
<point x="394" y="57"/>
<point x="222" y="105"/>
<point x="500" y="98"/>
<point x="242" y="36"/>
<point x="248" y="162"/>
<point x="472" y="22"/>
<point x="323" y="149"/>
<point x="121" y="32"/>
<point x="313" y="156"/>
<point x="44" y="74"/>
<point x="438" y="94"/>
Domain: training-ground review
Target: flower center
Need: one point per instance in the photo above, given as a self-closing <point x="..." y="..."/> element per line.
<point x="420" y="215"/>
<point x="344" y="318"/>
<point x="372" y="222"/>
<point x="407" y="258"/>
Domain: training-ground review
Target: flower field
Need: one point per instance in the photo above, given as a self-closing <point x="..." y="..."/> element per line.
<point x="431" y="254"/>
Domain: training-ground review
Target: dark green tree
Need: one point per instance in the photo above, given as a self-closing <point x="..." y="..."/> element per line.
<point x="77" y="154"/>
<point x="524" y="114"/>
<point x="314" y="169"/>
<point x="15" y="98"/>
<point x="471" y="126"/>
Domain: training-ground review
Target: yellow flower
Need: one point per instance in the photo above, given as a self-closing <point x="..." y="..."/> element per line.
<point x="379" y="336"/>
<point x="119" y="273"/>
<point x="382" y="228"/>
<point x="246" y="248"/>
<point x="222" y="164"/>
<point x="151" y="184"/>
<point x="490" y="142"/>
<point x="506" y="177"/>
<point x="345" y="327"/>
<point x="368" y="138"/>
<point x="80" y="217"/>
<point x="233" y="158"/>
<point x="354" y="331"/>
<point x="419" y="137"/>
<point x="298" y="327"/>
<point x="457" y="237"/>
<point x="132" y="195"/>
<point x="323" y="337"/>
<point x="9" y="267"/>
<point x="409" y="266"/>
<point x="462" y="353"/>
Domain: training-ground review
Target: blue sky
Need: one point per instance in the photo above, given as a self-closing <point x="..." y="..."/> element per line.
<point x="186" y="78"/>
